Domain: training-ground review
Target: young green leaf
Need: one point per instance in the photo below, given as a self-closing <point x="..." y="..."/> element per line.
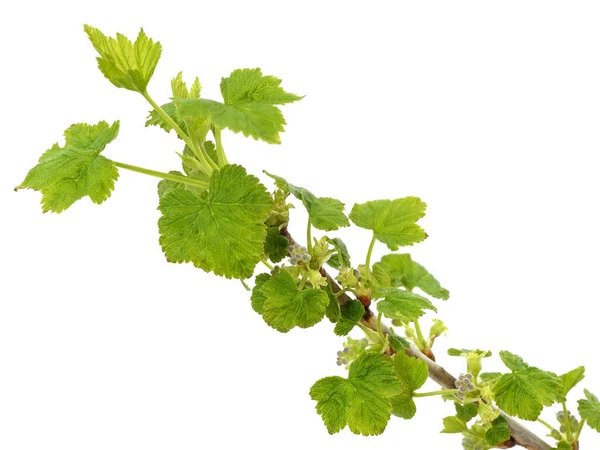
<point x="179" y="89"/>
<point x="393" y="221"/>
<point x="342" y="257"/>
<point x="286" y="307"/>
<point x="572" y="378"/>
<point x="125" y="64"/>
<point x="402" y="305"/>
<point x="398" y="343"/>
<point x="324" y="213"/>
<point x="65" y="174"/>
<point x="412" y="373"/>
<point x="589" y="410"/>
<point x="404" y="272"/>
<point x="221" y="230"/>
<point x="351" y="312"/>
<point x="362" y="400"/>
<point x="249" y="105"/>
<point x="525" y="391"/>
<point x="453" y="424"/>
<point x="276" y="245"/>
<point x="258" y="298"/>
<point x="465" y="412"/>
<point x="499" y="431"/>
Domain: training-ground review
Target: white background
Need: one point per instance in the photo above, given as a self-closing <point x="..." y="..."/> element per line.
<point x="489" y="111"/>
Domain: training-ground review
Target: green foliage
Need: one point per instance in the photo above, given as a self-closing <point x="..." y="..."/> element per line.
<point x="125" y="64"/>
<point x="589" y="410"/>
<point x="286" y="307"/>
<point x="350" y="313"/>
<point x="362" y="401"/>
<point x="499" y="432"/>
<point x="572" y="378"/>
<point x="218" y="217"/>
<point x="393" y="221"/>
<point x="221" y="230"/>
<point x="402" y="271"/>
<point x="257" y="298"/>
<point x="65" y="174"/>
<point x="249" y="100"/>
<point x="412" y="373"/>
<point x="402" y="305"/>
<point x="525" y="391"/>
<point x="324" y="213"/>
<point x="276" y="245"/>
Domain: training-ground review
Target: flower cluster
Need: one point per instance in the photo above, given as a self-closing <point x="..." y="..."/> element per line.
<point x="464" y="384"/>
<point x="353" y="348"/>
<point x="571" y="419"/>
<point x="298" y="254"/>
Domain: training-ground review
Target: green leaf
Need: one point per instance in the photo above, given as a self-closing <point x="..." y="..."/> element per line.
<point x="465" y="412"/>
<point x="589" y="410"/>
<point x="398" y="343"/>
<point x="179" y="89"/>
<point x="221" y="230"/>
<point x="572" y="378"/>
<point x="437" y="329"/>
<point x="249" y="105"/>
<point x="125" y="64"/>
<point x="402" y="305"/>
<point x="453" y="424"/>
<point x="393" y="221"/>
<point x="512" y="361"/>
<point x="257" y="298"/>
<point x="412" y="373"/>
<point x="499" y="431"/>
<point x="65" y="174"/>
<point x="342" y="257"/>
<point x="404" y="272"/>
<point x="286" y="307"/>
<point x="562" y="445"/>
<point x="362" y="400"/>
<point x="351" y="312"/>
<point x="525" y="391"/>
<point x="276" y="245"/>
<point x="324" y="213"/>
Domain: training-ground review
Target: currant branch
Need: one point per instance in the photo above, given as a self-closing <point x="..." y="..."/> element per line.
<point x="223" y="220"/>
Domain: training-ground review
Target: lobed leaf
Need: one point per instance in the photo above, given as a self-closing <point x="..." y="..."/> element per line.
<point x="66" y="174"/>
<point x="220" y="230"/>
<point x="125" y="64"/>
<point x="393" y="221"/>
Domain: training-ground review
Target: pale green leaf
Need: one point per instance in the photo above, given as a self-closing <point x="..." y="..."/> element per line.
<point x="249" y="105"/>
<point x="286" y="307"/>
<point x="324" y="213"/>
<point x="402" y="305"/>
<point x="126" y="65"/>
<point x="412" y="374"/>
<point x="572" y="378"/>
<point x="393" y="221"/>
<point x="362" y="400"/>
<point x="404" y="272"/>
<point x="589" y="410"/>
<point x="65" y="174"/>
<point x="453" y="424"/>
<point x="221" y="230"/>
